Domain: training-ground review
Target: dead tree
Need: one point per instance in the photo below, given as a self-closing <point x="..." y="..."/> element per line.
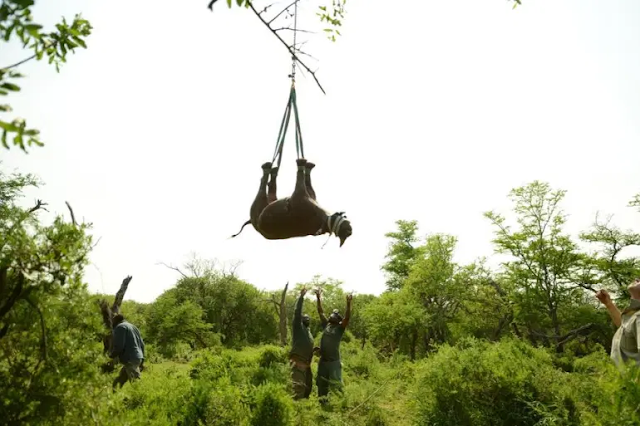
<point x="281" y="310"/>
<point x="108" y="312"/>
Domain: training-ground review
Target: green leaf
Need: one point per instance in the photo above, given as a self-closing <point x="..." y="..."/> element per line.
<point x="32" y="132"/>
<point x="229" y="3"/>
<point x="17" y="140"/>
<point x="79" y="41"/>
<point x="10" y="86"/>
<point x="5" y="108"/>
<point x="33" y="29"/>
<point x="8" y="127"/>
<point x="4" y="139"/>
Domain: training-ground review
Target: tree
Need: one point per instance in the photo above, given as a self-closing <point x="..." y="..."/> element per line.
<point x="434" y="282"/>
<point x="612" y="271"/>
<point x="171" y="322"/>
<point x="394" y="322"/>
<point x="16" y="20"/>
<point x="402" y="253"/>
<point x="48" y="327"/>
<point x="234" y="308"/>
<point x="280" y="305"/>
<point x="547" y="269"/>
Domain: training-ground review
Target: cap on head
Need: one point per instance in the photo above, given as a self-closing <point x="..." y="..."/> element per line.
<point x="335" y="317"/>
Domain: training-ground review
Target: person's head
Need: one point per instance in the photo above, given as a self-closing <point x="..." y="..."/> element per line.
<point x="340" y="226"/>
<point x="306" y="320"/>
<point x="335" y="317"/>
<point x="634" y="289"/>
<point x="117" y="319"/>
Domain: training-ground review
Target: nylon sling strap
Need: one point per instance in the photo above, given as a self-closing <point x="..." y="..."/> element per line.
<point x="284" y="126"/>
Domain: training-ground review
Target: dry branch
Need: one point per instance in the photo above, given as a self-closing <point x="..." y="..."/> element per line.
<point x="175" y="268"/>
<point x="73" y="217"/>
<point x="291" y="49"/>
<point x="108" y="312"/>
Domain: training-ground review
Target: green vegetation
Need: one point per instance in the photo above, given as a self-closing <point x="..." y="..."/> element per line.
<point x="446" y="344"/>
<point x="16" y="22"/>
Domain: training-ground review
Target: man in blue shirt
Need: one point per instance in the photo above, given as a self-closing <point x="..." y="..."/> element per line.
<point x="128" y="346"/>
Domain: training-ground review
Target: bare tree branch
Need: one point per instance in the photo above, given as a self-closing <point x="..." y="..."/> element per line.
<point x="17" y="64"/>
<point x="281" y="12"/>
<point x="292" y="29"/>
<point x="175" y="268"/>
<point x="574" y="333"/>
<point x="73" y="217"/>
<point x="267" y="8"/>
<point x="115" y="308"/>
<point x="291" y="49"/>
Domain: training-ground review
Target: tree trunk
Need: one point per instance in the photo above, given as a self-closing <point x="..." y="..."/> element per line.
<point x="414" y="343"/>
<point x="108" y="313"/>
<point x="283" y="316"/>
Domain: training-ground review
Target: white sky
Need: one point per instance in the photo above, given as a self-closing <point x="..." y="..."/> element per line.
<point x="433" y="112"/>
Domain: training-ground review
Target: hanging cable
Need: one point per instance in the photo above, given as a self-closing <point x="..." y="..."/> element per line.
<point x="294" y="47"/>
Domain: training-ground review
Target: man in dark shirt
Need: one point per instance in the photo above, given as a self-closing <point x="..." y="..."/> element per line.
<point x="128" y="346"/>
<point x="330" y="365"/>
<point x="301" y="351"/>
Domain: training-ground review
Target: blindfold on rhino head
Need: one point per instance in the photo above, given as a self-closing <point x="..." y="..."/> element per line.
<point x="339" y="225"/>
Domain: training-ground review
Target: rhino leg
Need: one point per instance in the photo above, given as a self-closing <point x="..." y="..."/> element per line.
<point x="300" y="191"/>
<point x="272" y="193"/>
<point x="307" y="178"/>
<point x="261" y="201"/>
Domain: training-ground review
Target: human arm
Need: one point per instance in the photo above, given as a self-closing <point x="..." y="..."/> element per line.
<point x="297" y="313"/>
<point x="345" y="321"/>
<point x="117" y="343"/>
<point x="323" y="319"/>
<point x="614" y="312"/>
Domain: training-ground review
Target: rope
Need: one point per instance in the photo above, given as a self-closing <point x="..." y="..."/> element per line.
<point x="291" y="104"/>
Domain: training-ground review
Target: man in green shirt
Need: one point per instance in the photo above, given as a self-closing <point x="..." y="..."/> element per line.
<point x="330" y="365"/>
<point x="301" y="351"/>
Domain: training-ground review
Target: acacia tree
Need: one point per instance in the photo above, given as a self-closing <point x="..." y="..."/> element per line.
<point x="547" y="269"/>
<point x="610" y="270"/>
<point x="402" y="253"/>
<point x="16" y="21"/>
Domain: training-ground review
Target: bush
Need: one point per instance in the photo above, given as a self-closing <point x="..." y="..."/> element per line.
<point x="216" y="403"/>
<point x="506" y="383"/>
<point x="270" y="355"/>
<point x="274" y="407"/>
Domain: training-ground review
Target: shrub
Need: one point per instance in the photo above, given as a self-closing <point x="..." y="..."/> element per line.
<point x="274" y="406"/>
<point x="270" y="355"/>
<point x="504" y="383"/>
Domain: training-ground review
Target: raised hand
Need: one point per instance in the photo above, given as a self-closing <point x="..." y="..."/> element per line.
<point x="318" y="292"/>
<point x="303" y="291"/>
<point x="349" y="298"/>
<point x="603" y="297"/>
